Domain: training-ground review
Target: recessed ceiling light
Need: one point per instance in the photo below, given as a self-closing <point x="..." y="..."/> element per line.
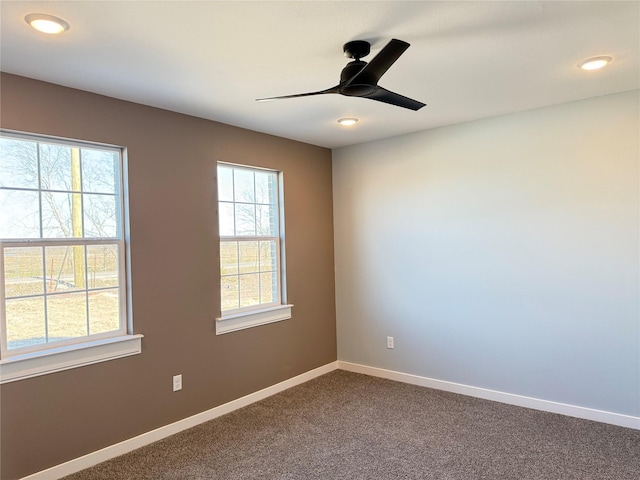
<point x="594" y="63"/>
<point x="348" y="121"/>
<point x="47" y="23"/>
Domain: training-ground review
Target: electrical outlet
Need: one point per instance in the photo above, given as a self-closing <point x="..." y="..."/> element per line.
<point x="390" y="342"/>
<point x="177" y="382"/>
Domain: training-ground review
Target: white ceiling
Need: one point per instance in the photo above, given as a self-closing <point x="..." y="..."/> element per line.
<point x="467" y="60"/>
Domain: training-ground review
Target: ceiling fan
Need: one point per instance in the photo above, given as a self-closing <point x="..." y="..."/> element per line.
<point x="360" y="79"/>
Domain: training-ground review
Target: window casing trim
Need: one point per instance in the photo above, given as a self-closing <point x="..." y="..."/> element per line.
<point x="252" y="318"/>
<point x="28" y="365"/>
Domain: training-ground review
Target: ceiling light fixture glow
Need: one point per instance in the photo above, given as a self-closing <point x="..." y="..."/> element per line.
<point x="47" y="23"/>
<point x="594" y="63"/>
<point x="348" y="121"/>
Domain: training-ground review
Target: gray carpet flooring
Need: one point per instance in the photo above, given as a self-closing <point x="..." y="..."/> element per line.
<point x="350" y="426"/>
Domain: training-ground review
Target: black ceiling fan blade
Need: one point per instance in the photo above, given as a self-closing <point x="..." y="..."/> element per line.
<point x="379" y="64"/>
<point x="320" y="92"/>
<point x="386" y="96"/>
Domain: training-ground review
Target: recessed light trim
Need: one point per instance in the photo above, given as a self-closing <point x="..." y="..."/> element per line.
<point x="595" y="63"/>
<point x="347" y="122"/>
<point x="47" y="23"/>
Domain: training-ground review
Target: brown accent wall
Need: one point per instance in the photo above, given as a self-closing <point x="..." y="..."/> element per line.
<point x="54" y="418"/>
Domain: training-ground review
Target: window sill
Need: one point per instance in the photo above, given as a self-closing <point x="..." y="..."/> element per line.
<point x="71" y="356"/>
<point x="240" y="321"/>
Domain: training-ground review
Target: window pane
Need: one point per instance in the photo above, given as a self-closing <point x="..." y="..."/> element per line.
<point x="245" y="219"/>
<point x="100" y="214"/>
<point x="18" y="164"/>
<point x="266" y="188"/>
<point x="19" y="214"/>
<point x="104" y="314"/>
<point x="56" y="216"/>
<point x="67" y="316"/>
<point x="266" y="221"/>
<point x="99" y="171"/>
<point x="55" y="167"/>
<point x="23" y="271"/>
<point x="65" y="269"/>
<point x="225" y="184"/>
<point x="248" y="257"/>
<point x="249" y="290"/>
<point x="102" y="266"/>
<point x="243" y="186"/>
<point x="229" y="293"/>
<point x="228" y="258"/>
<point x="268" y="287"/>
<point x="25" y="322"/>
<point x="227" y="224"/>
<point x="268" y="256"/>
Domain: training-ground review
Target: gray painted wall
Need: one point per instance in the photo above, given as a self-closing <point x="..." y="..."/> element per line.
<point x="502" y="253"/>
<point x="175" y="281"/>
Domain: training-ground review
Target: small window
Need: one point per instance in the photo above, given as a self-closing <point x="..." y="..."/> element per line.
<point x="62" y="248"/>
<point x="251" y="248"/>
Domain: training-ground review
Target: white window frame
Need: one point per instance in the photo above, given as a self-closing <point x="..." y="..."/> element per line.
<point x="253" y="316"/>
<point x="45" y="358"/>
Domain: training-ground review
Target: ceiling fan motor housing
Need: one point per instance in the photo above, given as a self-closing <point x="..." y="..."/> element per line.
<point x="362" y="87"/>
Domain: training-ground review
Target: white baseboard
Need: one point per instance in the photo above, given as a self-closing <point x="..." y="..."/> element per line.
<point x="131" y="444"/>
<point x="518" y="400"/>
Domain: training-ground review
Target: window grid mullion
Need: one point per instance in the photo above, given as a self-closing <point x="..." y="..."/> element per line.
<point x="255" y="207"/>
<point x="237" y="256"/>
<point x="60" y="242"/>
<point x="81" y="195"/>
<point x="278" y="273"/>
<point x="233" y="198"/>
<point x="53" y="294"/>
<point x="53" y="190"/>
<point x="3" y="316"/>
<point x="259" y="273"/>
<point x="38" y="166"/>
<point x="257" y="238"/>
<point x="44" y="295"/>
<point x="86" y="286"/>
<point x="84" y="248"/>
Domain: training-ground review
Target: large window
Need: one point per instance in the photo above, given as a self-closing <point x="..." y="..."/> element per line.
<point x="251" y="239"/>
<point x="62" y="248"/>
